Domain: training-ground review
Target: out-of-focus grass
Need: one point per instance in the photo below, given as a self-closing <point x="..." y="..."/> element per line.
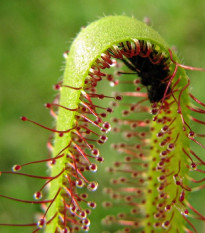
<point x="33" y="36"/>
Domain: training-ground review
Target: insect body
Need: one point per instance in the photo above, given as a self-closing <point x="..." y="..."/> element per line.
<point x="153" y="73"/>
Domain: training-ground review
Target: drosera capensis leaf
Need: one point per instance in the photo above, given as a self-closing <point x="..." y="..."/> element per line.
<point x="91" y="42"/>
<point x="150" y="179"/>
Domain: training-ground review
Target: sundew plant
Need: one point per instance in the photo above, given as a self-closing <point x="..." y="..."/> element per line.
<point x="125" y="95"/>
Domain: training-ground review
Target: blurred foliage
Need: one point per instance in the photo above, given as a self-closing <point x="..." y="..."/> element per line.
<point x="33" y="36"/>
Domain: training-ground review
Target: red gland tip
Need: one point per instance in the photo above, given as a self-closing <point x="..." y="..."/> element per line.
<point x="191" y="134"/>
<point x="80" y="183"/>
<point x="83" y="214"/>
<point x="92" y="204"/>
<point x="61" y="134"/>
<point x="23" y="118"/>
<point x="85" y="228"/>
<point x="41" y="223"/>
<point x="65" y="54"/>
<point x="95" y="152"/>
<point x="16" y="168"/>
<point x="65" y="230"/>
<point x="92" y="186"/>
<point x="186" y="212"/>
<point x="118" y="97"/>
<point x="86" y="222"/>
<point x="93" y="167"/>
<point x="37" y="195"/>
<point x="100" y="159"/>
<point x="154" y="111"/>
<point x="193" y="165"/>
<point x="109" y="110"/>
<point x="166" y="224"/>
<point x="56" y="87"/>
<point x="48" y="105"/>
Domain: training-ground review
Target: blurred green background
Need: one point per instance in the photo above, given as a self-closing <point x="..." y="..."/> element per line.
<point x="33" y="36"/>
